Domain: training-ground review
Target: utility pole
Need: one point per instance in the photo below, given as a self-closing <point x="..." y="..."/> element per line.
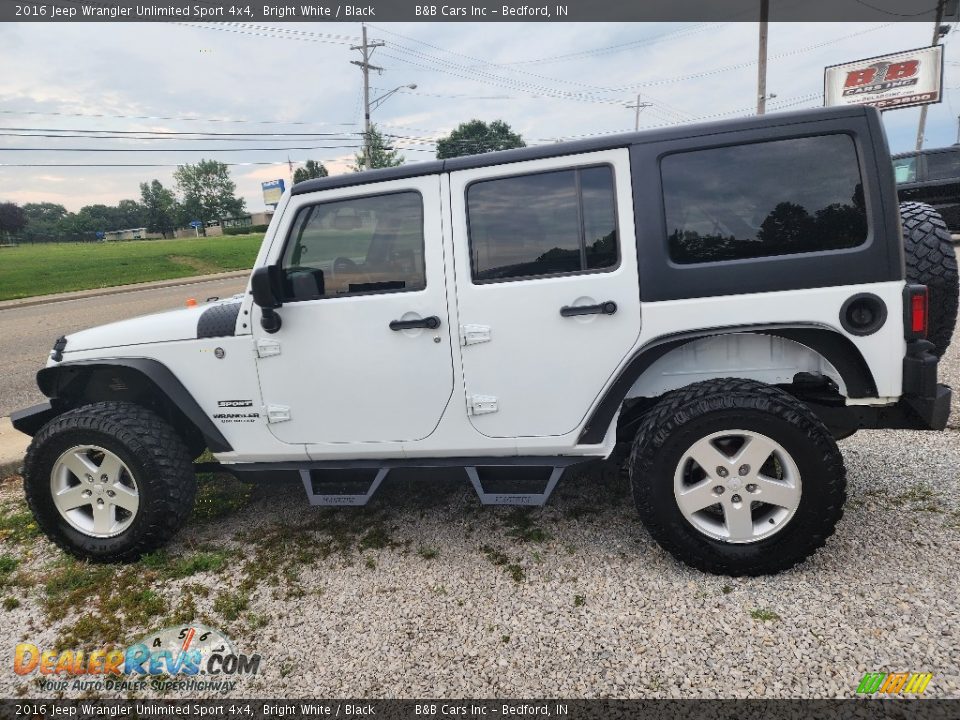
<point x="762" y="64"/>
<point x="639" y="106"/>
<point x="921" y="128"/>
<point x="367" y="50"/>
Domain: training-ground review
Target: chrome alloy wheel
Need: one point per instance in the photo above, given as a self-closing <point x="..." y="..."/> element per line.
<point x="738" y="486"/>
<point x="94" y="491"/>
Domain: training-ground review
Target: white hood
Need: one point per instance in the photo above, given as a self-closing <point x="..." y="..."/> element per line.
<point x="180" y="324"/>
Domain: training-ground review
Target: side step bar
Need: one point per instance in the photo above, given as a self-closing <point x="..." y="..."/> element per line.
<point x="510" y="481"/>
<point x="324" y="488"/>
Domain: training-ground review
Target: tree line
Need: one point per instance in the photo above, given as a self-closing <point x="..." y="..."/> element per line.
<point x="206" y="192"/>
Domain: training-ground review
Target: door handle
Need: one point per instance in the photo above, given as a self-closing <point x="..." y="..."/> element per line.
<point x="605" y="308"/>
<point x="432" y="323"/>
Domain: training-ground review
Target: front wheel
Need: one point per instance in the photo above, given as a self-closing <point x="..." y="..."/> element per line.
<point x="736" y="477"/>
<point x="109" y="481"/>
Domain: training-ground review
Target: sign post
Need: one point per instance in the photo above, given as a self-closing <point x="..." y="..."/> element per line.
<point x="196" y="225"/>
<point x="272" y="192"/>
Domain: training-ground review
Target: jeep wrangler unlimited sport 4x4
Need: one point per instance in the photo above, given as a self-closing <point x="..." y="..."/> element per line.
<point x="726" y="299"/>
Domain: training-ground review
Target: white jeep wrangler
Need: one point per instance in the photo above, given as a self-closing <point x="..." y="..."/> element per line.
<point x="727" y="299"/>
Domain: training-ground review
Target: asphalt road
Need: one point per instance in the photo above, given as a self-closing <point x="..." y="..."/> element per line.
<point x="27" y="334"/>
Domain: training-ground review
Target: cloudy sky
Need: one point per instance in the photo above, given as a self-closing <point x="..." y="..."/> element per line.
<point x="548" y="81"/>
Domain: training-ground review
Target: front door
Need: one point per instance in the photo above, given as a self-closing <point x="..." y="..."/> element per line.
<point x="363" y="354"/>
<point x="547" y="290"/>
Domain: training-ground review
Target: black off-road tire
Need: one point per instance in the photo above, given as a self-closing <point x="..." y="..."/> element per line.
<point x="156" y="457"/>
<point x="932" y="261"/>
<point x="687" y="415"/>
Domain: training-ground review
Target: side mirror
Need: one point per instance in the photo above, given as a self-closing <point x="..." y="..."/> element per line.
<point x="267" y="289"/>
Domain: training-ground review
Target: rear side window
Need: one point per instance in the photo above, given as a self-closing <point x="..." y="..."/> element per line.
<point x="772" y="198"/>
<point x="943" y="165"/>
<point x="543" y="224"/>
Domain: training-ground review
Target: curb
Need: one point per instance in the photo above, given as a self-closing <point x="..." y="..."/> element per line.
<point x="116" y="290"/>
<point x="13" y="446"/>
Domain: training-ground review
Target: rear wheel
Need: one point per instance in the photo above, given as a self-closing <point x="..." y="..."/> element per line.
<point x="109" y="481"/>
<point x="737" y="478"/>
<point x="932" y="261"/>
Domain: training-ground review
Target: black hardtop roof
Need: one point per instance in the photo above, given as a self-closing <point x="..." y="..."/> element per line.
<point x="927" y="151"/>
<point x="574" y="147"/>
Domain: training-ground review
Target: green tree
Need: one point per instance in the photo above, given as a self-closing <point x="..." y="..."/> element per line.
<point x="160" y="207"/>
<point x="381" y="154"/>
<point x="45" y="220"/>
<point x="94" y="218"/>
<point x="130" y="214"/>
<point x="207" y="192"/>
<point x="475" y="137"/>
<point x="12" y="219"/>
<point x="311" y="170"/>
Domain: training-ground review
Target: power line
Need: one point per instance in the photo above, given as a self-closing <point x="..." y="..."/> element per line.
<point x="452" y="68"/>
<point x="175" y="118"/>
<point x="609" y="89"/>
<point x="169" y="132"/>
<point x="154" y="165"/>
<point x="171" y="150"/>
<point x="221" y="27"/>
<point x="132" y="165"/>
<point x="894" y="14"/>
<point x="616" y="48"/>
<point x="152" y="139"/>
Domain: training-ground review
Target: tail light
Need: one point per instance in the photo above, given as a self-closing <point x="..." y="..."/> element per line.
<point x="916" y="311"/>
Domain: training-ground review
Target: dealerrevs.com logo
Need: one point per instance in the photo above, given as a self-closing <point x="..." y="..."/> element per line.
<point x="184" y="658"/>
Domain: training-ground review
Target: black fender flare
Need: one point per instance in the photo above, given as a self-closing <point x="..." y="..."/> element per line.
<point x="838" y="349"/>
<point x="50" y="380"/>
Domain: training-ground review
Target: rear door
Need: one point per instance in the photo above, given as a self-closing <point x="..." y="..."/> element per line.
<point x="546" y="275"/>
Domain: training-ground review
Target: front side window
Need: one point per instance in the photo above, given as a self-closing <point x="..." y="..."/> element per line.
<point x="543" y="224"/>
<point x="905" y="169"/>
<point x="764" y="199"/>
<point x="356" y="246"/>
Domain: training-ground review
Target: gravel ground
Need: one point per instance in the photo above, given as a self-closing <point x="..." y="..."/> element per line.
<point x="426" y="593"/>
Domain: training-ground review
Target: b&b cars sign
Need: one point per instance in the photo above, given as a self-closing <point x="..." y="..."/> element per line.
<point x="898" y="80"/>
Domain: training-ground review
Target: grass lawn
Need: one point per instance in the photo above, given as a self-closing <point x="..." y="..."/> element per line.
<point x="28" y="270"/>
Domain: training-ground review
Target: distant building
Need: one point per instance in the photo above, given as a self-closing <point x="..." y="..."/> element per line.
<point x="257" y="218"/>
<point x="131" y="234"/>
<point x="216" y="227"/>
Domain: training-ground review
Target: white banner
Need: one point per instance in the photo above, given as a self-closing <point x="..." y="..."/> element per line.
<point x="897" y="80"/>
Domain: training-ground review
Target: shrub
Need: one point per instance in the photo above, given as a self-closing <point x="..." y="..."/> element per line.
<point x="245" y="230"/>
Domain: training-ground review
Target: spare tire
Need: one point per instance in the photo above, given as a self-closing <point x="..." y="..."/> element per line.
<point x="932" y="261"/>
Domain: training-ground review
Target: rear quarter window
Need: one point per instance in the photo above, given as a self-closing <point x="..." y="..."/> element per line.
<point x="764" y="199"/>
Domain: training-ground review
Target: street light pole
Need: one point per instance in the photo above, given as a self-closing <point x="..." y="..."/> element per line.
<point x="373" y="105"/>
<point x="762" y="64"/>
<point x="921" y="127"/>
<point x="367" y="50"/>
